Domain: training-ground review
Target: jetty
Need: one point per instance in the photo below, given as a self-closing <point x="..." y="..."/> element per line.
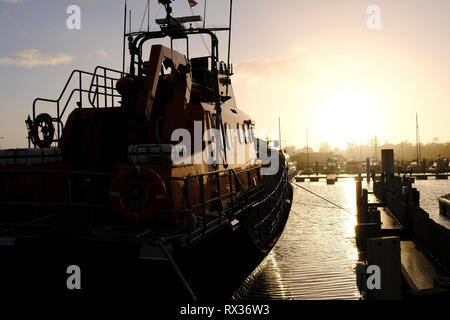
<point x="397" y="235"/>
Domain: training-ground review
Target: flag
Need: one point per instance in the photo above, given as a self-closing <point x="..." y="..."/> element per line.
<point x="192" y="3"/>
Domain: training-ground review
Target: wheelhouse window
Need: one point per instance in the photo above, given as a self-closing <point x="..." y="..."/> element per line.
<point x="245" y="132"/>
<point x="228" y="135"/>
<point x="239" y="133"/>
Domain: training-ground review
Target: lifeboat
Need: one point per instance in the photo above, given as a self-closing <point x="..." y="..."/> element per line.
<point x="152" y="177"/>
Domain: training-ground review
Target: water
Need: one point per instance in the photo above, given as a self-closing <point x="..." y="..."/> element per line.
<point x="316" y="256"/>
<point x="430" y="191"/>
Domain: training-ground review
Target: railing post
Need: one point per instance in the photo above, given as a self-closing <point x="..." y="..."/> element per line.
<point x="106" y="88"/>
<point x="96" y="90"/>
<point x="81" y="90"/>
<point x="59" y="120"/>
<point x="231" y="188"/>
<point x="219" y="196"/>
<point x="202" y="199"/>
<point x="112" y="93"/>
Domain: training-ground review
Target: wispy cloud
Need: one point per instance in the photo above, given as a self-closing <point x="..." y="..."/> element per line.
<point x="33" y="58"/>
<point x="102" y="53"/>
<point x="12" y="1"/>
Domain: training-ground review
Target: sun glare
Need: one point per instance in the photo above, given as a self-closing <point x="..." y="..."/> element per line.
<point x="347" y="116"/>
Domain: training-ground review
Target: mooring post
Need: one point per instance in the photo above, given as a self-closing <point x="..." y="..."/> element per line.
<point x="387" y="162"/>
<point x="364" y="205"/>
<point x="358" y="197"/>
<point x="368" y="169"/>
<point x="364" y="231"/>
<point x="384" y="253"/>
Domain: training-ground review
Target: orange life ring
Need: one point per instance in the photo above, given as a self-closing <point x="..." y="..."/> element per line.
<point x="138" y="182"/>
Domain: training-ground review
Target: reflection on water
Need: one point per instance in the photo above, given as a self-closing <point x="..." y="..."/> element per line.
<point x="430" y="191"/>
<point x="316" y="256"/>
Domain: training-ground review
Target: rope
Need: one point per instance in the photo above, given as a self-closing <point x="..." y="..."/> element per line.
<point x="298" y="215"/>
<point x="163" y="246"/>
<point x="329" y="201"/>
<point x="314" y="206"/>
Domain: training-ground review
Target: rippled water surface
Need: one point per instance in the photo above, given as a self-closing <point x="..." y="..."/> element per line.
<point x="430" y="191"/>
<point x="315" y="257"/>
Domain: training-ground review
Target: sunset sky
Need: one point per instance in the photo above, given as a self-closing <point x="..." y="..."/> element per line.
<point x="315" y="64"/>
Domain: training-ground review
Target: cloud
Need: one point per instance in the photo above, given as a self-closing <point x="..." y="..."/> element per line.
<point x="102" y="53"/>
<point x="33" y="58"/>
<point x="12" y="1"/>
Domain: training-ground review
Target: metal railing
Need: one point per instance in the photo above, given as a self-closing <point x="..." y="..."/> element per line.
<point x="86" y="200"/>
<point x="101" y="85"/>
<point x="239" y="198"/>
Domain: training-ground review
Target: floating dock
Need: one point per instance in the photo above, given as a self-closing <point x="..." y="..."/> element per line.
<point x="392" y="212"/>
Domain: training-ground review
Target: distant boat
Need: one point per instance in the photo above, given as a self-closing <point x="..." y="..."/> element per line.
<point x="332" y="178"/>
<point x="414" y="167"/>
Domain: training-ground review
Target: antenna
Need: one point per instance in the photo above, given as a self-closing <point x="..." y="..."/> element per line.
<point x="124" y="37"/>
<point x="229" y="45"/>
<point x="148" y="16"/>
<point x="279" y="131"/>
<point x="204" y="15"/>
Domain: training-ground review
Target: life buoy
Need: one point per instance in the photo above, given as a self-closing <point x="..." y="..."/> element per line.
<point x="43" y="125"/>
<point x="138" y="194"/>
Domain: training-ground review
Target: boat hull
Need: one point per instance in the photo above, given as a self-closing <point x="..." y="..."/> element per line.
<point x="213" y="268"/>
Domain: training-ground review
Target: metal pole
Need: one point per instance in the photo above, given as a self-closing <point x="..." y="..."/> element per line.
<point x="307" y="152"/>
<point x="204" y="15"/>
<point x="229" y="44"/>
<point x="279" y="131"/>
<point x="124" y="37"/>
<point x="148" y="16"/>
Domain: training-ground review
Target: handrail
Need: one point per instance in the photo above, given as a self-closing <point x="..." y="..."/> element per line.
<point x="95" y="76"/>
<point x="94" y="86"/>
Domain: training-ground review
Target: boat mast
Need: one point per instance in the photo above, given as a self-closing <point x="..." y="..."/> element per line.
<point x="419" y="155"/>
<point x="279" y="131"/>
<point x="229" y="47"/>
<point x="307" y="152"/>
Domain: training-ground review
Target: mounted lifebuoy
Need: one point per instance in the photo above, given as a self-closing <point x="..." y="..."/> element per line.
<point x="43" y="131"/>
<point x="138" y="194"/>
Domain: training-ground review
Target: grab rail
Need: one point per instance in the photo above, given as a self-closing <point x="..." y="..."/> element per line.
<point x="94" y="92"/>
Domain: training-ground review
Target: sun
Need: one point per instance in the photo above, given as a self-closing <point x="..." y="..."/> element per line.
<point x="345" y="116"/>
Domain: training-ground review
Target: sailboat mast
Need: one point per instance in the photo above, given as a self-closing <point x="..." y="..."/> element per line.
<point x="229" y="45"/>
<point x="279" y="132"/>
<point x="419" y="155"/>
<point x="307" y="151"/>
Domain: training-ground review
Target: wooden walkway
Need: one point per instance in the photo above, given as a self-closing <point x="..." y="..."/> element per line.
<point x="418" y="269"/>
